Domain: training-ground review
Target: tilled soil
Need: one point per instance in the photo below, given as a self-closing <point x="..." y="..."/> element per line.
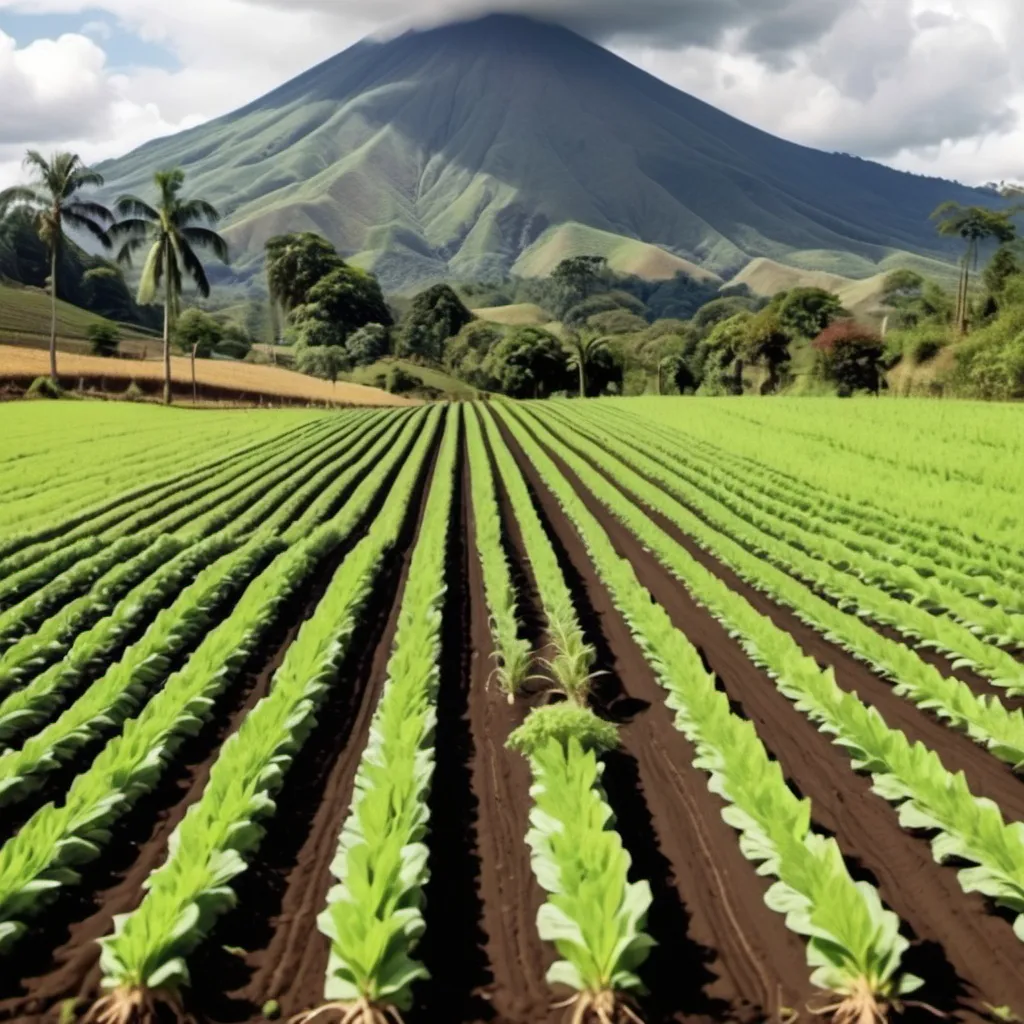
<point x="722" y="955"/>
<point x="966" y="953"/>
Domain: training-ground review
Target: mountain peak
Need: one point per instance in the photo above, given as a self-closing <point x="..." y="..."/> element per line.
<point x="493" y="144"/>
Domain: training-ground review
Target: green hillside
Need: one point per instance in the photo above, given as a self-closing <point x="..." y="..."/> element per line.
<point x="461" y="152"/>
<point x="25" y="320"/>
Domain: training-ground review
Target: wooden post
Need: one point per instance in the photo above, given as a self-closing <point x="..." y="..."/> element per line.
<point x="195" y="393"/>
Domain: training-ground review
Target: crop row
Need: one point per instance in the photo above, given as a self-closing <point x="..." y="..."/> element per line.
<point x="908" y="775"/>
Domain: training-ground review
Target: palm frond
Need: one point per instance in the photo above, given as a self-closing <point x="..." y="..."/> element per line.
<point x="89" y="225"/>
<point x="196" y="209"/>
<point x="85" y="177"/>
<point x="22" y="194"/>
<point x="132" y="246"/>
<point x="86" y="208"/>
<point x="133" y="227"/>
<point x="130" y="206"/>
<point x="207" y="239"/>
<point x="35" y="161"/>
<point x="194" y="268"/>
<point x="152" y="274"/>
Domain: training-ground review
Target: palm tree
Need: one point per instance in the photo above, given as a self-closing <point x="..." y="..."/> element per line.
<point x="583" y="346"/>
<point x="172" y="231"/>
<point x="974" y="224"/>
<point x="54" y="203"/>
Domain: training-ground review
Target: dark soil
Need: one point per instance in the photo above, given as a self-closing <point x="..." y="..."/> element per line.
<point x="966" y="953"/>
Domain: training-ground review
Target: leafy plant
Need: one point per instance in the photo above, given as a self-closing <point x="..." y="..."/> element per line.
<point x="563" y="723"/>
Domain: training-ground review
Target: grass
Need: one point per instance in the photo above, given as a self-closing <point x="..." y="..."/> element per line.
<point x="248" y="378"/>
<point x="25" y="316"/>
<point x="430" y="378"/>
<point x="523" y="314"/>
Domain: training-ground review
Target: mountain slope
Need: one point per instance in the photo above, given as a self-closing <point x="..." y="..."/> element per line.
<point x="450" y="152"/>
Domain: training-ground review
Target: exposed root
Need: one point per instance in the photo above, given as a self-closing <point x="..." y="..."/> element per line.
<point x="362" y="1011"/>
<point x="861" y="1006"/>
<point x="600" y="1008"/>
<point x="138" y="1006"/>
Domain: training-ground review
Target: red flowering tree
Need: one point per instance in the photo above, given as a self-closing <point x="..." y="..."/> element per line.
<point x="850" y="355"/>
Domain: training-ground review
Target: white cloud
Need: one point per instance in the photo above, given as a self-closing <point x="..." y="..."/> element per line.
<point x="934" y="86"/>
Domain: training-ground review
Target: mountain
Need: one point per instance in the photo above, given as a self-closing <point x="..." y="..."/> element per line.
<point x="467" y="150"/>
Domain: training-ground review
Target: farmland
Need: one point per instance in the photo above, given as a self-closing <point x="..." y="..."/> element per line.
<point x="606" y="711"/>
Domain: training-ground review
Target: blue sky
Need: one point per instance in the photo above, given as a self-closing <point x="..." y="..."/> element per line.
<point x="124" y="49"/>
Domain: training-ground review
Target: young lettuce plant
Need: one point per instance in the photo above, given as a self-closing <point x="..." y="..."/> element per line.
<point x="512" y="655"/>
<point x="593" y="914"/>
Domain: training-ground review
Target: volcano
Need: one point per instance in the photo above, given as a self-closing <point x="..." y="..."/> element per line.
<point x="504" y="144"/>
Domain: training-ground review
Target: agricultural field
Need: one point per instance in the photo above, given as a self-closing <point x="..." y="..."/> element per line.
<point x="659" y="710"/>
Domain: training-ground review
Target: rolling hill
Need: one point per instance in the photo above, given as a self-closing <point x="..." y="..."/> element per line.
<point x="467" y="150"/>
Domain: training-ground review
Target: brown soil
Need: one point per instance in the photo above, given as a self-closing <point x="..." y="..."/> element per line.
<point x="479" y="814"/>
<point x="269" y="947"/>
<point x="967" y="954"/>
<point x="722" y="953"/>
<point x="59" y="958"/>
<point x="943" y="662"/>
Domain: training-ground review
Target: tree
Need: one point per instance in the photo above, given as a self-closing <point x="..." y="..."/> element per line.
<point x="714" y="312"/>
<point x="806" y="312"/>
<point x="295" y="264"/>
<point x="767" y="342"/>
<point x="324" y="361"/>
<point x="368" y="344"/>
<point x="197" y="333"/>
<point x="578" y="278"/>
<point x="583" y="347"/>
<point x="435" y="315"/>
<point x="104" y="339"/>
<point x="975" y="225"/>
<point x="850" y="356"/>
<point x="172" y="231"/>
<point x="1000" y="269"/>
<point x="529" y="363"/>
<point x="338" y="305"/>
<point x="54" y="201"/>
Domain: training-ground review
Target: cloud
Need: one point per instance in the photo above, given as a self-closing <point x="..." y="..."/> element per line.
<point x="763" y="26"/>
<point x="930" y="85"/>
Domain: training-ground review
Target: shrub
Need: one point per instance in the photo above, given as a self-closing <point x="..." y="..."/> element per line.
<point x="925" y="349"/>
<point x="43" y="387"/>
<point x="400" y="381"/>
<point x="564" y="722"/>
<point x="104" y="339"/>
<point x="133" y="393"/>
<point x="368" y="344"/>
<point x="850" y="355"/>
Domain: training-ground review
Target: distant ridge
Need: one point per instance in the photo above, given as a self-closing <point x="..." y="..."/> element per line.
<point x="468" y="150"/>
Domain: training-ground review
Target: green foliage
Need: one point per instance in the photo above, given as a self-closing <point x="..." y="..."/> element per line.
<point x="104" y="339"/>
<point x="850" y="356"/>
<point x="718" y="310"/>
<point x="435" y="315"/>
<point x="368" y="344"/>
<point x="337" y="306"/>
<point x="327" y="362"/>
<point x="1003" y="265"/>
<point x="563" y="723"/>
<point x="44" y="387"/>
<point x="529" y="363"/>
<point x="133" y="393"/>
<point x="616" y="321"/>
<point x="295" y="264"/>
<point x="197" y="329"/>
<point x="511" y="651"/>
<point x="853" y="941"/>
<point x="399" y="381"/>
<point x="806" y="312"/>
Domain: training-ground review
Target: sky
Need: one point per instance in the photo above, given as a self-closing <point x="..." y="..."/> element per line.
<point x="930" y="86"/>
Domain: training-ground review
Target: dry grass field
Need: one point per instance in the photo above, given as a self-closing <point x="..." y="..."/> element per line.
<point x="244" y="378"/>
